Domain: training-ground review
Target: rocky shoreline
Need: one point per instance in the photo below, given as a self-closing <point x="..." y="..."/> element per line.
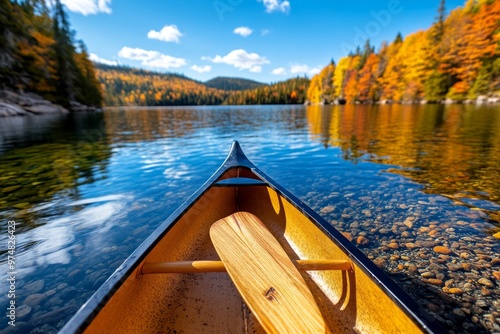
<point x="480" y="100"/>
<point x="24" y="104"/>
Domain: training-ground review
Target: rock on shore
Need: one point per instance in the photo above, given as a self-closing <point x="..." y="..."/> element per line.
<point x="15" y="104"/>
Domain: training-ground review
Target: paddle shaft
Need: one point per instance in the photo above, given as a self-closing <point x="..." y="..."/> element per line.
<point x="218" y="266"/>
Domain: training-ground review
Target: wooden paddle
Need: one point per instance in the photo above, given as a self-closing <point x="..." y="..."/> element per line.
<point x="265" y="276"/>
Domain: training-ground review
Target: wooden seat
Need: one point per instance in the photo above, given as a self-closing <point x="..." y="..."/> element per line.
<point x="265" y="276"/>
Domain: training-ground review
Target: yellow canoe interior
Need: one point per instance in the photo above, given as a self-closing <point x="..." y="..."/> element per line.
<point x="349" y="301"/>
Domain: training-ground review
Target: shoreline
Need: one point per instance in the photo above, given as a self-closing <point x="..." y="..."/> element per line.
<point x="480" y="100"/>
<point x="26" y="104"/>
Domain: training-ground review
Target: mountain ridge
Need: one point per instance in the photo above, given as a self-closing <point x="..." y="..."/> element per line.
<point x="233" y="83"/>
<point x="128" y="86"/>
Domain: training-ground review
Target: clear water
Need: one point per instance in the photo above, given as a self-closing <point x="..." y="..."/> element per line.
<point x="86" y="189"/>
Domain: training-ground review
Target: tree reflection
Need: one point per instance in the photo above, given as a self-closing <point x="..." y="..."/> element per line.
<point x="452" y="150"/>
<point x="76" y="153"/>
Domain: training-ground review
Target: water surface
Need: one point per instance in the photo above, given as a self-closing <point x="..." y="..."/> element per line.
<point x="87" y="189"/>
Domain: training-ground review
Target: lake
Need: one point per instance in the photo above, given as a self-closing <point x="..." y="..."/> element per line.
<point x="86" y="189"/>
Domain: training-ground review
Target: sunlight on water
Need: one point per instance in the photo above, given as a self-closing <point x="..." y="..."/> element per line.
<point x="404" y="178"/>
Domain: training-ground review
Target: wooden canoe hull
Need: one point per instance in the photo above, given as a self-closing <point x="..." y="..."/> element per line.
<point x="350" y="301"/>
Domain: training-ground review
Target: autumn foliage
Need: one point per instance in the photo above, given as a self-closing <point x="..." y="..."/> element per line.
<point x="38" y="53"/>
<point x="124" y="86"/>
<point x="292" y="91"/>
<point x="456" y="58"/>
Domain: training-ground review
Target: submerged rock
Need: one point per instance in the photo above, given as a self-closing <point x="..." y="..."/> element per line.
<point x="442" y="250"/>
<point x="34" y="299"/>
<point x="34" y="287"/>
<point x="23" y="311"/>
<point x="456" y="291"/>
<point x="486" y="282"/>
<point x="362" y="240"/>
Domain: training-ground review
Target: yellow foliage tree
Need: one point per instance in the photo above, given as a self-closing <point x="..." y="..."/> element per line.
<point x="339" y="76"/>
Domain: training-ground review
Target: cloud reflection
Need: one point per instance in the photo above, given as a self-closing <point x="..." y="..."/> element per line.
<point x="54" y="240"/>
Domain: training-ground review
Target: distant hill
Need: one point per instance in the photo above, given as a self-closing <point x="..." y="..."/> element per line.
<point x="126" y="86"/>
<point x="227" y="83"/>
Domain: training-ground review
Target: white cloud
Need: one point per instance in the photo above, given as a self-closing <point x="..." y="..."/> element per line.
<point x="279" y="71"/>
<point x="265" y="32"/>
<point x="87" y="7"/>
<point x="151" y="58"/>
<point x="302" y="68"/>
<point x="276" y="6"/>
<point x="241" y="59"/>
<point x="167" y="34"/>
<point x="96" y="59"/>
<point x="243" y="31"/>
<point x="165" y="61"/>
<point x="256" y="69"/>
<point x="138" y="54"/>
<point x="201" y="69"/>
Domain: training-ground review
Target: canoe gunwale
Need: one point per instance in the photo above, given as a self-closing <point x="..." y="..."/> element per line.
<point x="236" y="159"/>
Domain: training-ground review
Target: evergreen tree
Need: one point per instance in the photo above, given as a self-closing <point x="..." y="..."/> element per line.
<point x="483" y="80"/>
<point x="398" y="39"/>
<point x="436" y="86"/>
<point x="367" y="50"/>
<point x="37" y="54"/>
<point x="64" y="51"/>
<point x="440" y="20"/>
<point x="11" y="31"/>
<point x="438" y="83"/>
<point x="87" y="85"/>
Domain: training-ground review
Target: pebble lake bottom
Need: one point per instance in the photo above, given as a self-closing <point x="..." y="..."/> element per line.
<point x="416" y="188"/>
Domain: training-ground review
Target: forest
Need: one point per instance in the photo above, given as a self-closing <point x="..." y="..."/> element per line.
<point x="457" y="59"/>
<point x="124" y="86"/>
<point x="39" y="53"/>
<point x="291" y="91"/>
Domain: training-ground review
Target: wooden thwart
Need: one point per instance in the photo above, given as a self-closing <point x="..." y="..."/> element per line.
<point x="265" y="277"/>
<point x="218" y="266"/>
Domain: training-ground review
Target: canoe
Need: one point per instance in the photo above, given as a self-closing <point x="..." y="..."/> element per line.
<point x="244" y="255"/>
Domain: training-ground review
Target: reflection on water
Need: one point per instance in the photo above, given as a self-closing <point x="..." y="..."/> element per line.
<point x="142" y="124"/>
<point x="53" y="159"/>
<point x="453" y="150"/>
<point x="87" y="189"/>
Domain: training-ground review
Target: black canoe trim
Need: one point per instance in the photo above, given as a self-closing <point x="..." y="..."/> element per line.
<point x="236" y="158"/>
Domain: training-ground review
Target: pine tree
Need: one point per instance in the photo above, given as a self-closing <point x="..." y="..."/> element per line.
<point x="367" y="50"/>
<point x="64" y="50"/>
<point x="398" y="39"/>
<point x="11" y="31"/>
<point x="436" y="86"/>
<point x="439" y="81"/>
<point x="86" y="84"/>
<point x="440" y="20"/>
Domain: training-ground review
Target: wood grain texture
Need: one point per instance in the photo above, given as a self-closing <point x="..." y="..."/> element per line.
<point x="265" y="276"/>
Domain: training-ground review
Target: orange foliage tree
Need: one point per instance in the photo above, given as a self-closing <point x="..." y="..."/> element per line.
<point x="457" y="57"/>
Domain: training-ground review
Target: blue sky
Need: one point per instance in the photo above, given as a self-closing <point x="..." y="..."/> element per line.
<point x="263" y="40"/>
